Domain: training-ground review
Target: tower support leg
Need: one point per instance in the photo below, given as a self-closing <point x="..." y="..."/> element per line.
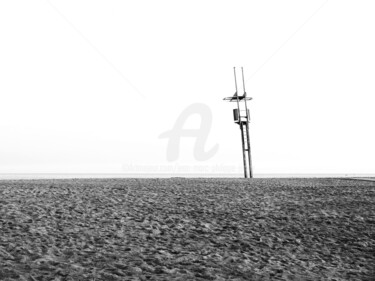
<point x="243" y="149"/>
<point x="249" y="150"/>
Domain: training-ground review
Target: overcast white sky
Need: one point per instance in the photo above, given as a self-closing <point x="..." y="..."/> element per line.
<point x="89" y="86"/>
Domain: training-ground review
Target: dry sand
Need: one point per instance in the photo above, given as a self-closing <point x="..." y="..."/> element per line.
<point x="187" y="229"/>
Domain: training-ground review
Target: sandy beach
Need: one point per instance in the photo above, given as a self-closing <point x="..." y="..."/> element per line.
<point x="187" y="229"/>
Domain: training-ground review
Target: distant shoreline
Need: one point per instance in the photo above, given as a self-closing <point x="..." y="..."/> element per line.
<point x="6" y="176"/>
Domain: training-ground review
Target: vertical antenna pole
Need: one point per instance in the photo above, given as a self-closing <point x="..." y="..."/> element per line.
<point x="247" y="127"/>
<point x="244" y="94"/>
<point x="243" y="82"/>
<point x="238" y="101"/>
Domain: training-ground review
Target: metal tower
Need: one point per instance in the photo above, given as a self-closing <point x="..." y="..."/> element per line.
<point x="242" y="118"/>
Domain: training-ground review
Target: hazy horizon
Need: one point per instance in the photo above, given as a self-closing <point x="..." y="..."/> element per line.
<point x="16" y="176"/>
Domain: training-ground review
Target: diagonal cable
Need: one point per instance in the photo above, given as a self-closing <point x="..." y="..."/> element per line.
<point x="95" y="48"/>
<point x="287" y="40"/>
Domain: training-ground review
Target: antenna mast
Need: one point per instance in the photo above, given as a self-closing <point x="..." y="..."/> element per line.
<point x="242" y="118"/>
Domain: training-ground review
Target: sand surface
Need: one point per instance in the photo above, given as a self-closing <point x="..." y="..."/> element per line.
<point x="187" y="229"/>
